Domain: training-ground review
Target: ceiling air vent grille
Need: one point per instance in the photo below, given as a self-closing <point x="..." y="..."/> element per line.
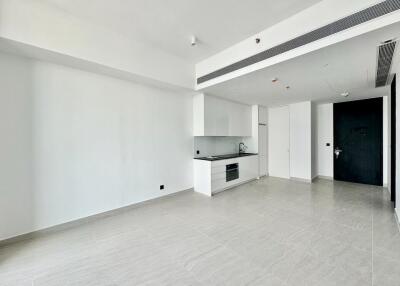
<point x="355" y="19"/>
<point x="385" y="56"/>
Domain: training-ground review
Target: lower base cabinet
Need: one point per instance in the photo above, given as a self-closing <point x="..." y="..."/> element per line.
<point x="210" y="177"/>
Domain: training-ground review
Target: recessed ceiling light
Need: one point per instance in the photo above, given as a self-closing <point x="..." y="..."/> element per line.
<point x="274" y="79"/>
<point x="345" y="94"/>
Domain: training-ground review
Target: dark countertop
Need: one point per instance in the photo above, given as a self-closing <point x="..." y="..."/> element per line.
<point x="225" y="157"/>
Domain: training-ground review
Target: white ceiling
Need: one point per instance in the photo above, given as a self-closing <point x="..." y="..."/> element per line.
<point x="169" y="24"/>
<point x="318" y="76"/>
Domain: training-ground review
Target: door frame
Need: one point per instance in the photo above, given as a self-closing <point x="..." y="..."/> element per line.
<point x="393" y="141"/>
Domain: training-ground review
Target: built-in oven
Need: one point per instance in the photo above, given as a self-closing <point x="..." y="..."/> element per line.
<point x="232" y="172"/>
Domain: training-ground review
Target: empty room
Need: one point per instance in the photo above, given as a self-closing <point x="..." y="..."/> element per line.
<point x="189" y="142"/>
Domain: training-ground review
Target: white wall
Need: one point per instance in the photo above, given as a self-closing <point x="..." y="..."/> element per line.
<point x="36" y="24"/>
<point x="278" y="142"/>
<point x="300" y="140"/>
<point x="76" y="144"/>
<point x="16" y="172"/>
<point x="324" y="135"/>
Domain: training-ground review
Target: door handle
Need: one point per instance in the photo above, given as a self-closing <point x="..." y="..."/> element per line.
<point x="337" y="152"/>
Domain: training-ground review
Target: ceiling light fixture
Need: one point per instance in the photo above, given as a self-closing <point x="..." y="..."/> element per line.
<point x="345" y="94"/>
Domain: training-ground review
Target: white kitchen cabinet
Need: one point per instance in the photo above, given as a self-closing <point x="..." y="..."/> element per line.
<point x="262" y="149"/>
<point x="279" y="142"/>
<point x="248" y="168"/>
<point x="210" y="176"/>
<point x="214" y="116"/>
<point x="262" y="115"/>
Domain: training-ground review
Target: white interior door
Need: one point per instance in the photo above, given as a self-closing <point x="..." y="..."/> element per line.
<point x="262" y="149"/>
<point x="278" y="142"/>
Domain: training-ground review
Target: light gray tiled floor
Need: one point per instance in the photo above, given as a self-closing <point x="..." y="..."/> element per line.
<point x="267" y="232"/>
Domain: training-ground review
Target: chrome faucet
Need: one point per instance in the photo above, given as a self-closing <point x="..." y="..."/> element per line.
<point x="242" y="148"/>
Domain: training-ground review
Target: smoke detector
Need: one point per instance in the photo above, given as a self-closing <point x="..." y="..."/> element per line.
<point x="193" y="41"/>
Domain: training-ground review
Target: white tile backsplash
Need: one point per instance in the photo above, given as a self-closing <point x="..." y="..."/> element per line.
<point x="209" y="146"/>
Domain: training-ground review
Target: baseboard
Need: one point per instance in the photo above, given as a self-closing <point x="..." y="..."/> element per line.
<point x="276" y="177"/>
<point x="325" y="177"/>
<point x="397" y="216"/>
<point x="386" y="189"/>
<point x="301" y="180"/>
<point x="84" y="220"/>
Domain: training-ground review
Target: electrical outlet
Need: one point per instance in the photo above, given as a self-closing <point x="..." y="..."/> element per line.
<point x="198" y="152"/>
<point x="161" y="187"/>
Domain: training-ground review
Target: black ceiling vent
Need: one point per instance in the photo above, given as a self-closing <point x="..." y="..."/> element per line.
<point x="355" y="19"/>
<point x="385" y="56"/>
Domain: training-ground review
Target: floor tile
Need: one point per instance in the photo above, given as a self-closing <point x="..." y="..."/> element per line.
<point x="267" y="232"/>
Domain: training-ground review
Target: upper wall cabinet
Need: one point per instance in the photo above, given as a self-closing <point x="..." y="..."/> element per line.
<point x="213" y="116"/>
<point x="262" y="115"/>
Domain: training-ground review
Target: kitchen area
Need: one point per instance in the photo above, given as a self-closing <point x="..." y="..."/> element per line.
<point x="230" y="143"/>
